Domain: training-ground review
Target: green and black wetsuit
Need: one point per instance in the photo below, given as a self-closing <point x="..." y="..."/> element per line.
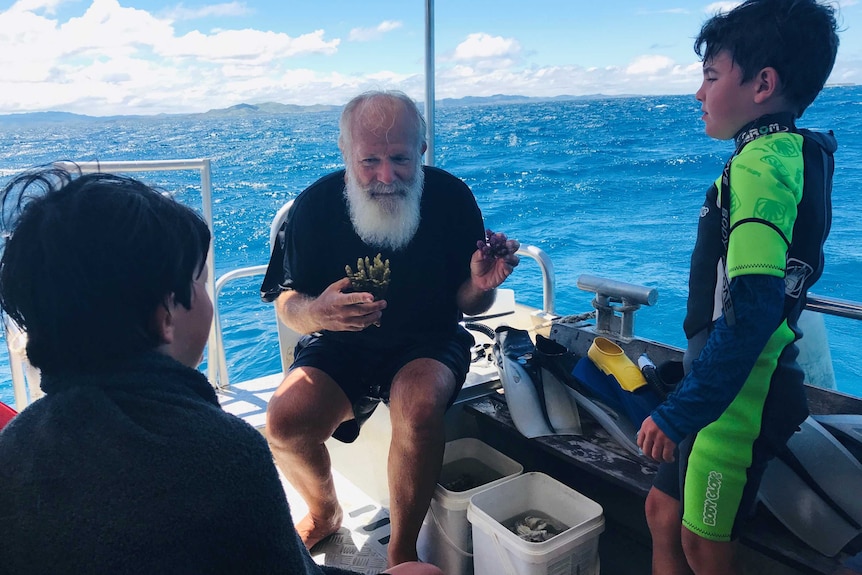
<point x="759" y="249"/>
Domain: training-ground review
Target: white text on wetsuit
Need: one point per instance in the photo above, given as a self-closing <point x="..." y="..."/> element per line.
<point x="755" y="133"/>
<point x="710" y="507"/>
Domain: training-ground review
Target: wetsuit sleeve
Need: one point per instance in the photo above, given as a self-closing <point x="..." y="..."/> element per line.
<point x="766" y="181"/>
<point x="765" y="188"/>
<point x="728" y="357"/>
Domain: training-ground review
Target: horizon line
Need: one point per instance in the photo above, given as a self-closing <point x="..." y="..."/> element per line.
<point x="327" y="107"/>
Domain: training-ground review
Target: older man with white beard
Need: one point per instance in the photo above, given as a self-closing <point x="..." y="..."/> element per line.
<point x="405" y="348"/>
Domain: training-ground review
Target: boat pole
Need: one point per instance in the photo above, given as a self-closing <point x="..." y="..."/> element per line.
<point x="429" y="80"/>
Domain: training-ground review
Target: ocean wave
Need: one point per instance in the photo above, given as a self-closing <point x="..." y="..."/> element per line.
<point x="599" y="185"/>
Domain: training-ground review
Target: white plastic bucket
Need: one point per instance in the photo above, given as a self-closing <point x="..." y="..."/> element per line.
<point x="498" y="551"/>
<point x="446" y="536"/>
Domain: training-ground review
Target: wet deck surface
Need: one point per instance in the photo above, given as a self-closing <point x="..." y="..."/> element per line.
<point x="595" y="452"/>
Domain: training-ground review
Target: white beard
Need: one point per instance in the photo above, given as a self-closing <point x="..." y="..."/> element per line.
<point x="385" y="216"/>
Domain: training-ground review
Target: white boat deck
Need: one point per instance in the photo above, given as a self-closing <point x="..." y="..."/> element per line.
<point x="360" y="544"/>
<point x="359" y="468"/>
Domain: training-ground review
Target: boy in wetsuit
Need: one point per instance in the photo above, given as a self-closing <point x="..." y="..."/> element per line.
<point x="759" y="249"/>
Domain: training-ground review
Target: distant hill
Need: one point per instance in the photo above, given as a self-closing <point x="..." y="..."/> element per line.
<point x="39" y="117"/>
<point x="274" y="108"/>
<point x="238" y="111"/>
<point x="248" y="110"/>
<point x="266" y="108"/>
<point x="501" y="99"/>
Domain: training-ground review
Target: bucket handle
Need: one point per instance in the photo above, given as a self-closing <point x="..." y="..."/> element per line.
<point x="501" y="551"/>
<point x="446" y="537"/>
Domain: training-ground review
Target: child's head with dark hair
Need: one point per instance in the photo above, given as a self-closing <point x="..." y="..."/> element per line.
<point x="795" y="37"/>
<point x="91" y="261"/>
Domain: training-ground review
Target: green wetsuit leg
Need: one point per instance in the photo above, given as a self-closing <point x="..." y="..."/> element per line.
<point x="717" y="474"/>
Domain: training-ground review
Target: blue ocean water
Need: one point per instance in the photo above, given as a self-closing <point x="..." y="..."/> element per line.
<point x="606" y="186"/>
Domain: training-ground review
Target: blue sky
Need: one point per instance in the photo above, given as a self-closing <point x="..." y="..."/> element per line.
<point x="105" y="57"/>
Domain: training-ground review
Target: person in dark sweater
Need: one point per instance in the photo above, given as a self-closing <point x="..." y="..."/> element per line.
<point x="127" y="464"/>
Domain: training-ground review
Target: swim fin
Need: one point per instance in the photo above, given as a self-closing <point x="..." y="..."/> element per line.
<point x="847" y="428"/>
<point x="597" y="398"/>
<point x="618" y="427"/>
<point x="635" y="405"/>
<point x="612" y="360"/>
<point x="561" y="408"/>
<point x="513" y="354"/>
<point x="588" y="387"/>
<point x="812" y="488"/>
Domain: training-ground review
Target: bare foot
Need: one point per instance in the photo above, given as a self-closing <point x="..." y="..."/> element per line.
<point x="312" y="530"/>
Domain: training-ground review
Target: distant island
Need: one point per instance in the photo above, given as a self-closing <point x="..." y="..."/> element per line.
<point x="274" y="108"/>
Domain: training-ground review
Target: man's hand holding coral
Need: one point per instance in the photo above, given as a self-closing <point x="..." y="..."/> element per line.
<point x="336" y="310"/>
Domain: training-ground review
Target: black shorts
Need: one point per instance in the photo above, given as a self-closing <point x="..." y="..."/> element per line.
<point x="668" y="478"/>
<point x="365" y="374"/>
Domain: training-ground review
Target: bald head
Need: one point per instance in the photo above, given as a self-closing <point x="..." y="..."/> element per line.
<point x="382" y="141"/>
<point x="381" y="115"/>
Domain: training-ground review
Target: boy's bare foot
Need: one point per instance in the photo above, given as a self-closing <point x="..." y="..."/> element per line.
<point x="312" y="530"/>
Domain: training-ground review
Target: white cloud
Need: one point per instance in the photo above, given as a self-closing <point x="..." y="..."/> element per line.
<point x="650" y="64"/>
<point x="180" y="12"/>
<point x="666" y="11"/>
<point x="717" y="7"/>
<point x="107" y="30"/>
<point x="247" y="46"/>
<point x="48" y="6"/>
<point x="113" y="59"/>
<point x="459" y="80"/>
<point x="366" y="34"/>
<point x="25" y="33"/>
<point x="484" y="46"/>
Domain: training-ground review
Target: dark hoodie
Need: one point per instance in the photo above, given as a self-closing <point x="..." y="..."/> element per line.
<point x="140" y="471"/>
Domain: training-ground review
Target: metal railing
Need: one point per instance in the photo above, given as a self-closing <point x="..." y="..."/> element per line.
<point x="834" y="306"/>
<point x="19" y="366"/>
<point x="217" y="370"/>
<point x="611" y="317"/>
<point x="222" y="379"/>
<point x="218" y="352"/>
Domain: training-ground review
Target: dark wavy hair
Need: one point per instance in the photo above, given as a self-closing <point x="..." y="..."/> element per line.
<point x="796" y="37"/>
<point x="86" y="261"/>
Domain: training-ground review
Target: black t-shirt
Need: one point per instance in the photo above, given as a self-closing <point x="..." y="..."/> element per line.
<point x="319" y="241"/>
